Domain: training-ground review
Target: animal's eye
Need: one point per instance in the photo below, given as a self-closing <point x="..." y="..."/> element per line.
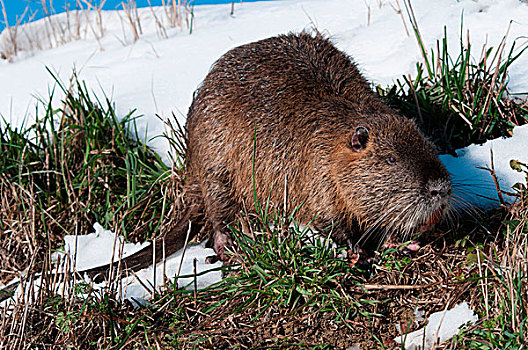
<point x="391" y="160"/>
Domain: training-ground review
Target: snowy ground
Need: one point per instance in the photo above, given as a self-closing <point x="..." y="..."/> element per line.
<point x="158" y="76"/>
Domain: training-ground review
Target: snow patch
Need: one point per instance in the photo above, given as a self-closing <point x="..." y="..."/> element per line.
<point x="134" y="287"/>
<point x="95" y="249"/>
<point x="442" y="325"/>
<point x="473" y="185"/>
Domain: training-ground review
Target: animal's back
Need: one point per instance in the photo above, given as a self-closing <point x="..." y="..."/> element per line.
<point x="278" y="98"/>
<point x="263" y="76"/>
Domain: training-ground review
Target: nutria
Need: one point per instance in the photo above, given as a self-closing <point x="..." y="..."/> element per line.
<point x="295" y="106"/>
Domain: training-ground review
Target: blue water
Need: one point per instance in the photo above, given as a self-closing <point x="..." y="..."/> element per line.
<point x="15" y="8"/>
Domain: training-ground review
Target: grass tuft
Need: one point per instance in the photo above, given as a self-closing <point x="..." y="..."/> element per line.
<point x="458" y="100"/>
<point x="77" y="165"/>
<point x="286" y="266"/>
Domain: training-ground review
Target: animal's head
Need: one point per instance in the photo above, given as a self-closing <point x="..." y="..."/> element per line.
<point x="389" y="177"/>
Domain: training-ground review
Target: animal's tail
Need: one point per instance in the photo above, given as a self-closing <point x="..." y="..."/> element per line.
<point x="173" y="241"/>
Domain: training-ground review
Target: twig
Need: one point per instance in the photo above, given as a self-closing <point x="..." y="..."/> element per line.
<point x="195" y="282"/>
<point x="494" y="177"/>
<point x="161" y="28"/>
<point x="183" y="254"/>
<point x="140" y="281"/>
<point x="484" y="287"/>
<point x="398" y="287"/>
<point x="368" y="12"/>
<point x="132" y="20"/>
<point x="416" y="100"/>
<point x="399" y="12"/>
<point x="154" y="267"/>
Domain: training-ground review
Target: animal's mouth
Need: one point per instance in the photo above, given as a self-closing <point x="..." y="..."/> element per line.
<point x="433" y="219"/>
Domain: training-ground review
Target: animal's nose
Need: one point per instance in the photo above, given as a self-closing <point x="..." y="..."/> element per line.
<point x="439" y="189"/>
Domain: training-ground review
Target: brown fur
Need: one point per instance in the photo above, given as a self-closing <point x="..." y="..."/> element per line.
<point x="301" y="101"/>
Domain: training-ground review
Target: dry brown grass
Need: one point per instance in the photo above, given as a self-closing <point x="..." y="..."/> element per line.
<point x="438" y="276"/>
<point x="501" y="293"/>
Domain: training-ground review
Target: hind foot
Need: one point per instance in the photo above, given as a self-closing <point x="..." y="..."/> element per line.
<point x="222" y="241"/>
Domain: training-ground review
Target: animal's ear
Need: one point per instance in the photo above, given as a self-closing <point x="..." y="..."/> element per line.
<point x="359" y="139"/>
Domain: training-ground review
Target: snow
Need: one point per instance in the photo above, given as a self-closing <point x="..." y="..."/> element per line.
<point x="441" y="326"/>
<point x="95" y="249"/>
<point x="158" y="76"/>
<point x="474" y="186"/>
<point x="134" y="286"/>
